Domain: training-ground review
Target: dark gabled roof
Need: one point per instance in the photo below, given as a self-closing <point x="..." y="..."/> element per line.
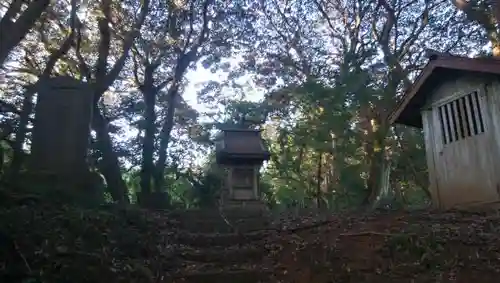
<point x="242" y="144"/>
<point x="438" y="69"/>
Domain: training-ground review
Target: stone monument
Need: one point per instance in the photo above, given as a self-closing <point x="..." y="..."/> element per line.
<point x="61" y="132"/>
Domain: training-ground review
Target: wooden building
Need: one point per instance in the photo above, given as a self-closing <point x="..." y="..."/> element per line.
<point x="456" y="101"/>
<point x="241" y="152"/>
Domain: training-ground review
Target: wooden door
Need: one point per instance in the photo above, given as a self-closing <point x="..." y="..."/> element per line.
<point x="243" y="183"/>
<point x="464" y="150"/>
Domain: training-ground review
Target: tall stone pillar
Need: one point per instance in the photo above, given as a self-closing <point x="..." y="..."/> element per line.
<point x="61" y="132"/>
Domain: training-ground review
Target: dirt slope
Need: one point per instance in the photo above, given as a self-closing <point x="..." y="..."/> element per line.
<point x="46" y="242"/>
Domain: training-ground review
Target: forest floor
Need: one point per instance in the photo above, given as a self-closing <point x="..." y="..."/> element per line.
<point x="46" y="242"/>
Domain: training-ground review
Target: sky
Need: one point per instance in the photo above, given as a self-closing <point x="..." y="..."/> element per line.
<point x="195" y="79"/>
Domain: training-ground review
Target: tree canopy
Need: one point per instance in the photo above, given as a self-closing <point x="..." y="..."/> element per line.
<point x="319" y="77"/>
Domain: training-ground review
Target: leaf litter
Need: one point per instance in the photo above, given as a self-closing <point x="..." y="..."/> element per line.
<point x="45" y="242"/>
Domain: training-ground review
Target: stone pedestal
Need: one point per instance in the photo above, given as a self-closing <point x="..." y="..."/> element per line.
<point x="251" y="205"/>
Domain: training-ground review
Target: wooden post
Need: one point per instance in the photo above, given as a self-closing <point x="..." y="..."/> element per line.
<point x="230" y="182"/>
<point x="256" y="182"/>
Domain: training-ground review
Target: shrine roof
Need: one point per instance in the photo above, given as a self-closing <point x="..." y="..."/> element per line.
<point x="242" y="143"/>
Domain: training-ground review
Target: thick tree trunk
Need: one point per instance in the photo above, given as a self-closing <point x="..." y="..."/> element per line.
<point x="22" y="130"/>
<point x="319" y="180"/>
<point x="183" y="61"/>
<point x="147" y="166"/>
<point x="376" y="155"/>
<point x="165" y="134"/>
<point x="374" y="176"/>
<point x="109" y="166"/>
<point x="13" y="32"/>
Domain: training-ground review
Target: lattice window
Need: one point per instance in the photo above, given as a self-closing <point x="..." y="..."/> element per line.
<point x="243" y="178"/>
<point x="461" y="118"/>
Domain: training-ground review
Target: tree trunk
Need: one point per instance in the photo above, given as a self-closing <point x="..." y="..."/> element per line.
<point x="374" y="176"/>
<point x="109" y="166"/>
<point x="318" y="177"/>
<point x="376" y="154"/>
<point x="165" y="133"/>
<point x="12" y="33"/>
<point x="22" y="129"/>
<point x="183" y="61"/>
<point x="147" y="164"/>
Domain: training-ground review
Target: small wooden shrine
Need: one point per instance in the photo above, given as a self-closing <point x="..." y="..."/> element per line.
<point x="241" y="152"/>
<point x="456" y="102"/>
